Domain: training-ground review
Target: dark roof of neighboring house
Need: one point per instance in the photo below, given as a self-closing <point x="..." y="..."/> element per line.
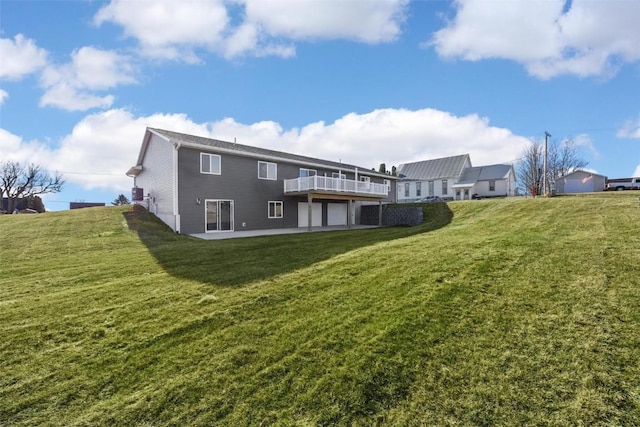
<point x="484" y="173"/>
<point x="258" y="152"/>
<point x="445" y="167"/>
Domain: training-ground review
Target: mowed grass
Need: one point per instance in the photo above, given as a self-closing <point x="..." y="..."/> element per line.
<point x="494" y="312"/>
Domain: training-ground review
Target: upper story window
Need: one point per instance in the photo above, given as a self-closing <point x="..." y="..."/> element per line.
<point x="492" y="185"/>
<point x="210" y="163"/>
<point x="387" y="183"/>
<point x="365" y="179"/>
<point x="307" y="172"/>
<point x="267" y="170"/>
<point x="444" y="186"/>
<point x="418" y="189"/>
<point x="338" y="175"/>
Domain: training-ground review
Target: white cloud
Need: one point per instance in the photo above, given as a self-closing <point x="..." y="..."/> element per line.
<point x="71" y="85"/>
<point x="631" y="129"/>
<point x="3" y="96"/>
<point x="175" y="30"/>
<point x="369" y="22"/>
<point x="102" y="146"/>
<point x="19" y="57"/>
<point x="591" y="38"/>
<point x="169" y="29"/>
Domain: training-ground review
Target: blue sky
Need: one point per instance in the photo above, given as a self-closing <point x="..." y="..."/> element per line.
<point x="364" y="82"/>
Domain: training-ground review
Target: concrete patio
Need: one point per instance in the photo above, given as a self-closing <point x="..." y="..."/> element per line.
<point x="222" y="235"/>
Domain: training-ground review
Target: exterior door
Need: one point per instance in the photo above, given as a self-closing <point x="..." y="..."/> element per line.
<point x="303" y="214"/>
<point x="218" y="215"/>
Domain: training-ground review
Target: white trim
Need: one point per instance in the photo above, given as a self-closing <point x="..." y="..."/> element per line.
<point x="232" y="216"/>
<point x="315" y="172"/>
<point x="276" y="203"/>
<point x="211" y="156"/>
<point x="275" y="165"/>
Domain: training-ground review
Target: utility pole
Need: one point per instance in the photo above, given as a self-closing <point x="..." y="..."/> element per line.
<point x="544" y="176"/>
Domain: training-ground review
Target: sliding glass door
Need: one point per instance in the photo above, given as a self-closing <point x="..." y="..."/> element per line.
<point x="219" y="215"/>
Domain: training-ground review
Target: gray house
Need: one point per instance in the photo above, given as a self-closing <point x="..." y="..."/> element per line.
<point x="198" y="185"/>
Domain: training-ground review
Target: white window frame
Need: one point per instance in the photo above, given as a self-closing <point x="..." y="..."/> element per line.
<point x="418" y="189"/>
<point x="275" y="204"/>
<point x="431" y="188"/>
<point x="210" y="158"/>
<point x="308" y="172"/>
<point x="387" y="183"/>
<point x="407" y="190"/>
<point x="492" y="185"/>
<point x="338" y="175"/>
<point x="270" y="177"/>
<point x="445" y="186"/>
<point x="365" y="178"/>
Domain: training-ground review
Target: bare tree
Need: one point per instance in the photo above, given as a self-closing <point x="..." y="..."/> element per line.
<point x="562" y="158"/>
<point x="530" y="169"/>
<point x="18" y="181"/>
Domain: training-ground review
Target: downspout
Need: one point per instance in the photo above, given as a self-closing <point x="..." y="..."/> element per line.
<point x="176" y="204"/>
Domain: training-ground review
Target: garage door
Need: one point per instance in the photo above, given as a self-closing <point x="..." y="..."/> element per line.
<point x="577" y="186"/>
<point x="337" y="214"/>
<point x="303" y="214"/>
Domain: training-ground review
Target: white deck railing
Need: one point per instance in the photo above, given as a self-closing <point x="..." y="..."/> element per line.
<point x="338" y="185"/>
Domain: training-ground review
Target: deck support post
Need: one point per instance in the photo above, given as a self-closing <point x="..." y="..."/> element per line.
<point x="380" y="213"/>
<point x="310" y="210"/>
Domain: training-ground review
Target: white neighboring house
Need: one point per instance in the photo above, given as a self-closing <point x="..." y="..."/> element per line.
<point x="454" y="178"/>
<point x="581" y="181"/>
<point x="486" y="181"/>
<point x="430" y="178"/>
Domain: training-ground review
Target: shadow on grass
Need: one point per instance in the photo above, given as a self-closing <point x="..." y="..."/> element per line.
<point x="235" y="262"/>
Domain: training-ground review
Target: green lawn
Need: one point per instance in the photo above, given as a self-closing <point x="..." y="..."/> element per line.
<point x="494" y="312"/>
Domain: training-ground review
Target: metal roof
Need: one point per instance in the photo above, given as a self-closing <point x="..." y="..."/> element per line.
<point x="446" y="167"/>
<point x="258" y="152"/>
<point x="472" y="175"/>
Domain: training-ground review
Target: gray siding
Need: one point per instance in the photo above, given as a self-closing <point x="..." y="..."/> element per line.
<point x="239" y="182"/>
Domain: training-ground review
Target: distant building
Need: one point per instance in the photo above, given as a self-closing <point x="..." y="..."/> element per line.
<point x="80" y="205"/>
<point x="580" y="181"/>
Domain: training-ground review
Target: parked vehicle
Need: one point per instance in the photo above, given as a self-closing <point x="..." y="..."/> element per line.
<point x="620" y="184"/>
<point x="430" y="199"/>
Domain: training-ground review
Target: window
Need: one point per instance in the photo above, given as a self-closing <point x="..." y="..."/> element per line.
<point x="307" y="172"/>
<point x="338" y="175"/>
<point x="431" y="188"/>
<point x="444" y="186"/>
<point x="492" y="185"/>
<point x="387" y="183"/>
<point x="210" y="163"/>
<point x="267" y="170"/>
<point x="406" y="189"/>
<point x="275" y="210"/>
<point x="365" y="179"/>
<point x="418" y="189"/>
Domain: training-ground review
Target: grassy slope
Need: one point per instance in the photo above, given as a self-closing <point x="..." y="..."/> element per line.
<point x="515" y="312"/>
